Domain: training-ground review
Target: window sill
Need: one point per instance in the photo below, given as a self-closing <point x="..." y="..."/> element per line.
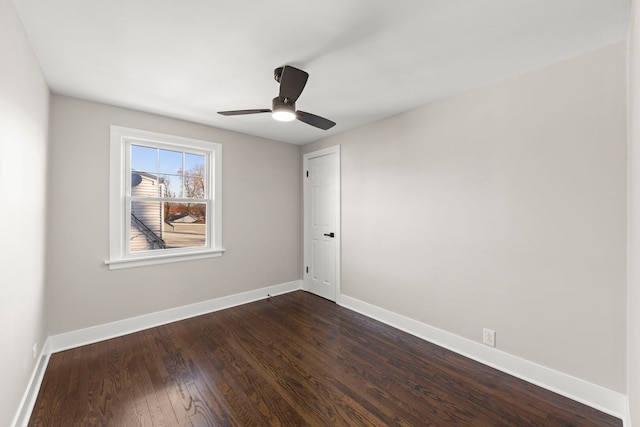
<point x="117" y="264"/>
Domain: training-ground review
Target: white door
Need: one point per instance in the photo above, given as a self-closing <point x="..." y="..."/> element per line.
<point x="322" y="222"/>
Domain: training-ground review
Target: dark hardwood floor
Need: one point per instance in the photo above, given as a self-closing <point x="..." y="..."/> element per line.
<point x="292" y="360"/>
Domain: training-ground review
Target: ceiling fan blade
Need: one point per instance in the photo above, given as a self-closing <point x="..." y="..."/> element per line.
<point x="313" y="120"/>
<point x="241" y="112"/>
<point x="292" y="81"/>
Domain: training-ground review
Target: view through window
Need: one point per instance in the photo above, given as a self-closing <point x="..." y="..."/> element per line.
<point x="168" y="199"/>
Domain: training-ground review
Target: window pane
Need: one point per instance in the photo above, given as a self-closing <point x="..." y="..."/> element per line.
<point x="144" y="158"/>
<point x="170" y="162"/>
<point x="194" y="186"/>
<point x="164" y="225"/>
<point x="193" y="162"/>
<point x="172" y="186"/>
<point x="194" y="176"/>
<point x="146" y="185"/>
<point x="185" y="224"/>
<point x="146" y="226"/>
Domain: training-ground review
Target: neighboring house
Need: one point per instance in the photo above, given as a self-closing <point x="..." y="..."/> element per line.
<point x="146" y="217"/>
<point x="184" y="218"/>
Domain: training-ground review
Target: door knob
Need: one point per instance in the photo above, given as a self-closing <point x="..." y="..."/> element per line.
<point x="330" y="234"/>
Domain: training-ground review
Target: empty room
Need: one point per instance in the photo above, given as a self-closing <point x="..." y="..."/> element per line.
<point x="320" y="213"/>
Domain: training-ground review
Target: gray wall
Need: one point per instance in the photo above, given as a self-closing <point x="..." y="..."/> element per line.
<point x="633" y="255"/>
<point x="24" y="104"/>
<point x="261" y="196"/>
<point x="505" y="208"/>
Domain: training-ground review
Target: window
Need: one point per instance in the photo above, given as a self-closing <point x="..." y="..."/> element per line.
<point x="165" y="198"/>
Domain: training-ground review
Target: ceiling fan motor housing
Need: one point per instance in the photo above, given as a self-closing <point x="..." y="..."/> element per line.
<point x="283" y="104"/>
<point x="277" y="73"/>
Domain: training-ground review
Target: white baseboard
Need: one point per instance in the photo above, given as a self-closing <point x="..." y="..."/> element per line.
<point x="119" y="328"/>
<point x="68" y="340"/>
<point x="598" y="397"/>
<point x="33" y="386"/>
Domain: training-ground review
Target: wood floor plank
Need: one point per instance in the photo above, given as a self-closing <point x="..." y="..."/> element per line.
<point x="290" y="360"/>
<point x="319" y="360"/>
<point x="371" y="375"/>
<point x="248" y="391"/>
<point x="302" y="389"/>
<point x="200" y="399"/>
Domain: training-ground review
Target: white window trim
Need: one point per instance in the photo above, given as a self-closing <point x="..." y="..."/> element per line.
<point x="118" y="256"/>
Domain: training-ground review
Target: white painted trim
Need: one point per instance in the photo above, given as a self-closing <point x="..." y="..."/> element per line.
<point x="118" y="264"/>
<point x="28" y="401"/>
<point x="73" y="339"/>
<point x="335" y="150"/>
<point x="119" y="328"/>
<point x="598" y="397"/>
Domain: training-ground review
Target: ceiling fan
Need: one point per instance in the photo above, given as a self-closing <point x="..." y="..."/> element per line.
<point x="283" y="106"/>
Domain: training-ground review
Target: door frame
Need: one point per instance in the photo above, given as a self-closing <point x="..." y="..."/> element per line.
<point x="334" y="150"/>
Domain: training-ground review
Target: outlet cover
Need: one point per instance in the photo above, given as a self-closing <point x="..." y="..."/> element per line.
<point x="489" y="337"/>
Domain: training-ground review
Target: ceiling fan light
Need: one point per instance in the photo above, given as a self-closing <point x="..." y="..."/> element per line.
<point x="283" y="115"/>
<point x="283" y="109"/>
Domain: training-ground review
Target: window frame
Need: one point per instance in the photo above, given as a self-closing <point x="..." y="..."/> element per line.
<point x="120" y="198"/>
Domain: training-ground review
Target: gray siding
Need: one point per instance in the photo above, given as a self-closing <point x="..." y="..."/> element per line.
<point x="150" y="213"/>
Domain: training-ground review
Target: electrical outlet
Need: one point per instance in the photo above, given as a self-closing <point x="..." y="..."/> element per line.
<point x="489" y="337"/>
<point x="34" y="350"/>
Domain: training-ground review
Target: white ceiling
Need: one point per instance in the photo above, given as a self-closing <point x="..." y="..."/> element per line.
<point x="367" y="59"/>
